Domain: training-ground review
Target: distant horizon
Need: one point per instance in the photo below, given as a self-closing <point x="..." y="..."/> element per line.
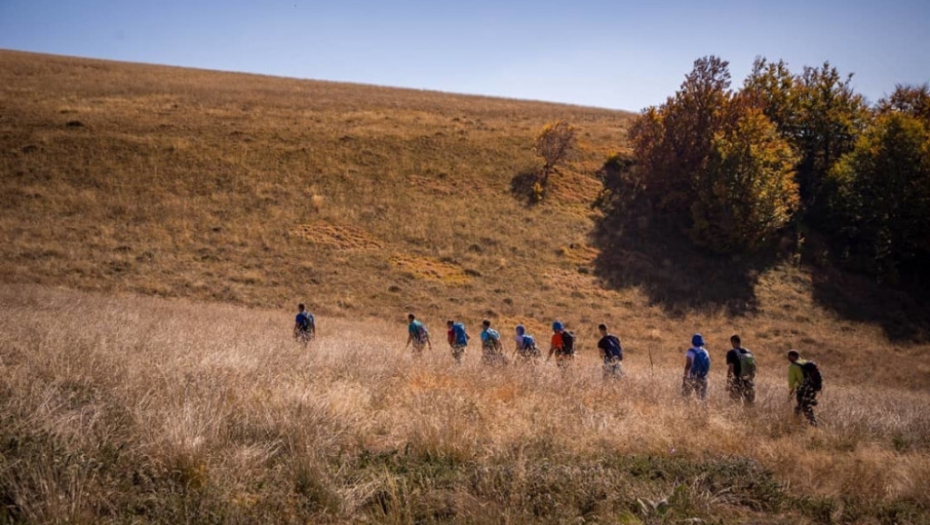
<point x="592" y="53"/>
<point x="327" y="80"/>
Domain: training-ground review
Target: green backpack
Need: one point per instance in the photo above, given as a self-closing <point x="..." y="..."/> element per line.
<point x="747" y="364"/>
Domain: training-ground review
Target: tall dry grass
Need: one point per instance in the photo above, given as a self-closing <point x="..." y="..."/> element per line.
<point x="134" y="410"/>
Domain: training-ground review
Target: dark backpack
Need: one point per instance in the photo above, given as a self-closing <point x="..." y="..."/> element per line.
<point x="568" y="342"/>
<point x="812" y="377"/>
<point x="614" y="350"/>
<point x="305" y="321"/>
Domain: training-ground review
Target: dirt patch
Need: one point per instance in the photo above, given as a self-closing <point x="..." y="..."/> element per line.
<point x="431" y="269"/>
<point x="342" y="237"/>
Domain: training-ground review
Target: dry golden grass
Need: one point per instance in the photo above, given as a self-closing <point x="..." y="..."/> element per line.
<point x="367" y="202"/>
<point x="124" y="409"/>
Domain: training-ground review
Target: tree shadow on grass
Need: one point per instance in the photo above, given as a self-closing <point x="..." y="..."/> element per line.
<point x="639" y="251"/>
<point x="903" y="313"/>
<point x="675" y="274"/>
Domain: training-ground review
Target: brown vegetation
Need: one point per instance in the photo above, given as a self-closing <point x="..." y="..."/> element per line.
<point x="367" y="202"/>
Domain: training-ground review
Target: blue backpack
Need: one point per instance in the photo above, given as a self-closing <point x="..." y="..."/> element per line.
<point x="700" y="366"/>
<point x="528" y="342"/>
<point x="458" y="331"/>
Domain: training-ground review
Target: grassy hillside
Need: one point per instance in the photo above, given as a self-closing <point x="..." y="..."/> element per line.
<point x="237" y="196"/>
<point x="369" y="202"/>
<point x="131" y="410"/>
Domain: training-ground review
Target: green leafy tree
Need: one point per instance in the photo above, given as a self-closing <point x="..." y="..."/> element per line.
<point x="882" y="201"/>
<point x="748" y="191"/>
<point x="817" y="111"/>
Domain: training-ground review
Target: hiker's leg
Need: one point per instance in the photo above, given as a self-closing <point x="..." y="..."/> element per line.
<point x="749" y="391"/>
<point x="809" y="402"/>
<point x="701" y="387"/>
<point x="733" y="387"/>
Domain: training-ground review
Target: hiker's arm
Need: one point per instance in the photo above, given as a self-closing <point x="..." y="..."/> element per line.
<point x="730" y="370"/>
<point x="687" y="366"/>
<point x="551" y="351"/>
<point x="409" y="339"/>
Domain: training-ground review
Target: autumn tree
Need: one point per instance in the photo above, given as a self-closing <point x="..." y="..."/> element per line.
<point x="713" y="161"/>
<point x="818" y="112"/>
<point x="671" y="143"/>
<point x="554" y="143"/>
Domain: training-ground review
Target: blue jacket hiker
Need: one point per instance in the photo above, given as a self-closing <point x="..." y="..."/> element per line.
<point x="304" y="325"/>
<point x="458" y="339"/>
<point x="492" y="349"/>
<point x="417" y="334"/>
<point x="697" y="366"/>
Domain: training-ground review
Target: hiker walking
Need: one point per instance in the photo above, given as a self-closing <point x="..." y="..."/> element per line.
<point x="697" y="366"/>
<point x="526" y="345"/>
<point x="304" y="325"/>
<point x="562" y="344"/>
<point x="492" y="349"/>
<point x="458" y="339"/>
<point x="611" y="352"/>
<point x="741" y="372"/>
<point x="417" y="334"/>
<point x="805" y="382"/>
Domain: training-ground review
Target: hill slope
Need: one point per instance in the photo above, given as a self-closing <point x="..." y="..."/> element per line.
<point x="364" y="202"/>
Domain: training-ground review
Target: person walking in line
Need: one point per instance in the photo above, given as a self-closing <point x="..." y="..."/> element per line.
<point x="304" y="325"/>
<point x="418" y="335"/>
<point x="492" y="349"/>
<point x="697" y="366"/>
<point x="525" y="345"/>
<point x="741" y="372"/>
<point x="562" y="345"/>
<point x="611" y="352"/>
<point x="804" y="382"/>
<point x="458" y="339"/>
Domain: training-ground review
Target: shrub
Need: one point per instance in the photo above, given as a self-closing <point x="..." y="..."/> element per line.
<point x="555" y="143"/>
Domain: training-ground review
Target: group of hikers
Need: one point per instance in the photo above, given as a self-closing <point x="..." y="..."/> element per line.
<point x="804" y="378"/>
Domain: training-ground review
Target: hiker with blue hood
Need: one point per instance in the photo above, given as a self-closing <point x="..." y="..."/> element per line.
<point x="526" y="345"/>
<point x="697" y="366"/>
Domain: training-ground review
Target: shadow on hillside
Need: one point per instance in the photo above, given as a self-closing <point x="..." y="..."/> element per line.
<point x="523" y="186"/>
<point x="903" y="314"/>
<point x="675" y="274"/>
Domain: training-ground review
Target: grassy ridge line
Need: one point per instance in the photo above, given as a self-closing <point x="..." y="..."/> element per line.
<point x="115" y="407"/>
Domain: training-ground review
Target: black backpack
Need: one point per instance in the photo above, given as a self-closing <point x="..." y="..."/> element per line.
<point x="812" y="377"/>
<point x="568" y="342"/>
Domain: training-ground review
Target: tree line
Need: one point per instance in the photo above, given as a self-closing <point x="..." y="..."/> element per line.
<point x="786" y="153"/>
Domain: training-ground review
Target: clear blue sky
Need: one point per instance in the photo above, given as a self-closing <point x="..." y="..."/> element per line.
<point x="624" y="55"/>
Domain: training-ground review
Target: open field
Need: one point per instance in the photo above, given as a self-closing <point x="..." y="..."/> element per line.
<point x="132" y="410"/>
<point x="158" y="226"/>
